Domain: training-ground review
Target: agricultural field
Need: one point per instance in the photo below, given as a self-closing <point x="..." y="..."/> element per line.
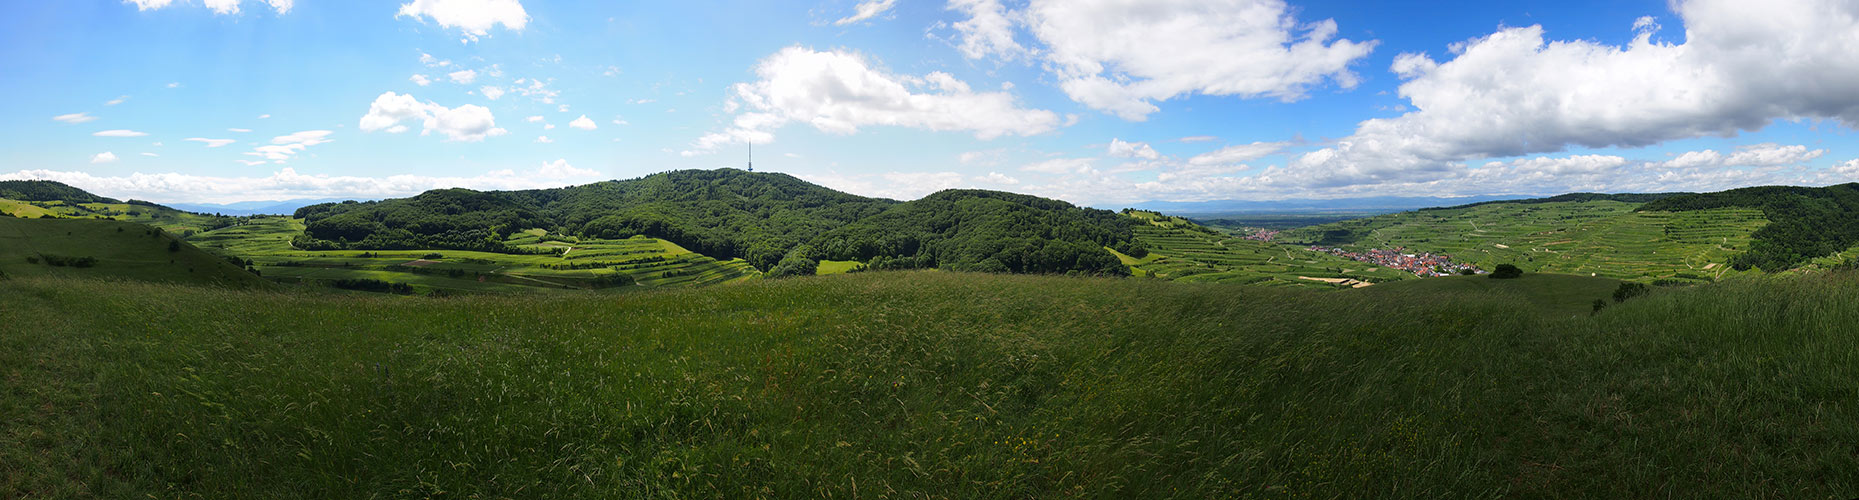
<point x="836" y="266"/>
<point x="1180" y="250"/>
<point x="1599" y="238"/>
<point x="934" y="385"/>
<point x="568" y="263"/>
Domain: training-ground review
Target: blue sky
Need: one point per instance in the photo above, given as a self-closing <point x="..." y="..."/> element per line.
<point x="1100" y="102"/>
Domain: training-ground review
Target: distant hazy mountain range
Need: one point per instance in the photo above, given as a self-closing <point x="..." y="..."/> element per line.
<point x="1371" y="204"/>
<point x="285" y="207"/>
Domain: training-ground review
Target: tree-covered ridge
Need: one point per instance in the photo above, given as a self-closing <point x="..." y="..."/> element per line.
<point x="766" y="219"/>
<point x="459" y="219"/>
<point x="1804" y="222"/>
<point x="724" y="213"/>
<point x="48" y="191"/>
<point x="989" y="231"/>
<point x="1572" y="197"/>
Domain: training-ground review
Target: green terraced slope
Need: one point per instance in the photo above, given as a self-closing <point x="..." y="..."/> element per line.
<point x="1599" y="238"/>
<point x="650" y="262"/>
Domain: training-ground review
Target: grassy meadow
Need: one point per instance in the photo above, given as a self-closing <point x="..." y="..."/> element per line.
<point x="1603" y="238"/>
<point x="933" y="385"/>
<point x="120" y="250"/>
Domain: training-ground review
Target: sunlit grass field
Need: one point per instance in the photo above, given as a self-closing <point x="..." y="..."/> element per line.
<point x="1604" y="238"/>
<point x="931" y="385"/>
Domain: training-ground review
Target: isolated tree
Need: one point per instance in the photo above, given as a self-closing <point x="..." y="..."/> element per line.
<point x="1467" y="271"/>
<point x="1506" y="271"/>
<point x="1630" y="290"/>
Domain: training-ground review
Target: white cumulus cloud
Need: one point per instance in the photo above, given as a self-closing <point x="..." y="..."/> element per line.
<point x="226" y="7"/>
<point x="491" y="92"/>
<point x="474" y="17"/>
<point x="1122" y="56"/>
<point x="583" y="123"/>
<point x="1743" y="65"/>
<point x="466" y="123"/>
<point x="839" y="92"/>
<point x="1119" y="148"/>
<point x="287" y="183"/>
<point x="987" y="31"/>
<point x="463" y="76"/>
<point x="104" y="157"/>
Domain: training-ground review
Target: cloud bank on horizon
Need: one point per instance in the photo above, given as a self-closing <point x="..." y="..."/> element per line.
<point x="1098" y="102"/>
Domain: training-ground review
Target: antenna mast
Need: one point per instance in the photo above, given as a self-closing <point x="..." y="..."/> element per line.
<point x="751" y="155"/>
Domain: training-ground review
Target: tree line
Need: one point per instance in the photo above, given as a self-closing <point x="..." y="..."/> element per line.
<point x="1804" y="223"/>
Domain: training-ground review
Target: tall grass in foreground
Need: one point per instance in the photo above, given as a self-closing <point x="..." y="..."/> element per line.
<point x="927" y="385"/>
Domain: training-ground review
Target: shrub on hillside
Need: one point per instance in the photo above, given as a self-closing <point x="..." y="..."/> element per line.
<point x="1506" y="271"/>
<point x="1630" y="290"/>
<point x="63" y="261"/>
<point x="368" y="285"/>
<point x="797" y="262"/>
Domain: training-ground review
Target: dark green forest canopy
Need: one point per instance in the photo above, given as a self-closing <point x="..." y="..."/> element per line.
<point x="1573" y="197"/>
<point x="759" y="217"/>
<point x="1804" y="222"/>
<point x="48" y="191"/>
<point x="990" y="231"/>
<point x="722" y="213"/>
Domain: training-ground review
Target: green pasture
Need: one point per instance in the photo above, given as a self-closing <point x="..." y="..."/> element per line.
<point x="931" y="385"/>
<point x="121" y="250"/>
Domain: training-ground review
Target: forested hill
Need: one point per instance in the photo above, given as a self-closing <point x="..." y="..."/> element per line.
<point x="759" y="217"/>
<point x="1572" y="197"/>
<point x="48" y="191"/>
<point x="988" y="231"/>
<point x="1804" y="222"/>
<point x="723" y="213"/>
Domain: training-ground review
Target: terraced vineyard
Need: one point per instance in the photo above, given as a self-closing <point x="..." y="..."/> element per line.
<point x="1602" y="238"/>
<point x="1179" y="250"/>
<point x="570" y="263"/>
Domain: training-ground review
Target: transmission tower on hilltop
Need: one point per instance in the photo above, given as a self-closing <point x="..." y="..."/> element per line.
<point x="751" y="156"/>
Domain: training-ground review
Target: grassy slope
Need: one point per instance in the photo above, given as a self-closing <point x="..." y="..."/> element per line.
<point x="940" y="385"/>
<point x="171" y="220"/>
<point x="1599" y="237"/>
<point x="123" y="250"/>
<point x="1557" y="294"/>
